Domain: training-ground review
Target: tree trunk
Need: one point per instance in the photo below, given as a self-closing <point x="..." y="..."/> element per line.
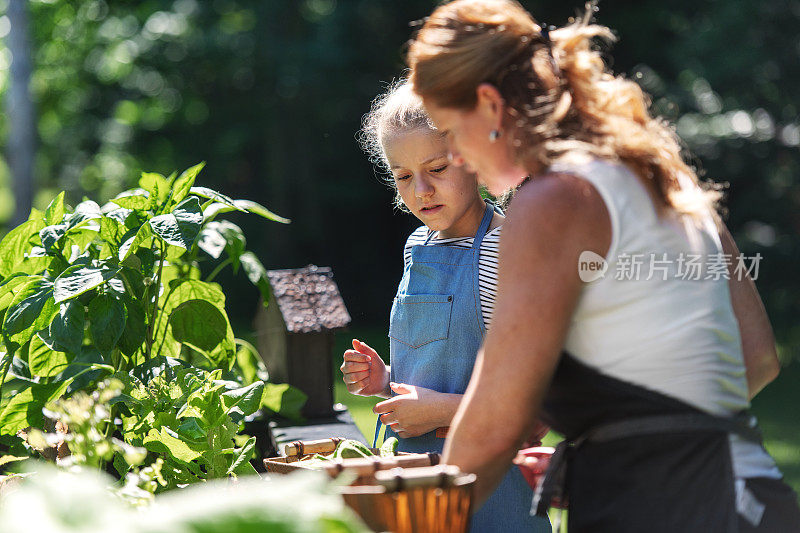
<point x="20" y="110"/>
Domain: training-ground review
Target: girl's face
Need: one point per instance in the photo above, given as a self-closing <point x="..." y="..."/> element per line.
<point x="443" y="196"/>
<point x="468" y="139"/>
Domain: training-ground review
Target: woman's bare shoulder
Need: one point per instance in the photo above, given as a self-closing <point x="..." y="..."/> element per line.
<point x="562" y="208"/>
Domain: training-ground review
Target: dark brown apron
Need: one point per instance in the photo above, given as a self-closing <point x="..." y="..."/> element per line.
<point x="637" y="460"/>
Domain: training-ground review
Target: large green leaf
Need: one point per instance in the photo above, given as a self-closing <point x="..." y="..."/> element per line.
<point x="243" y="401"/>
<point x="205" y="192"/>
<point x="257" y="275"/>
<point x="155" y="184"/>
<point x="35" y="262"/>
<point x="191" y="430"/>
<point x="84" y="212"/>
<point x="112" y="231"/>
<point x="241" y="460"/>
<point x="199" y="324"/>
<point x="31" y="309"/>
<point x="132" y="202"/>
<point x="182" y="291"/>
<point x="10" y="287"/>
<point x="44" y="361"/>
<point x="133" y="336"/>
<point x="66" y="329"/>
<point x="181" y="226"/>
<point x="51" y="235"/>
<point x="211" y="241"/>
<point x="56" y="210"/>
<point x="183" y="184"/>
<point x="258" y="209"/>
<point x="106" y="321"/>
<point x="224" y="233"/>
<point x="167" y="442"/>
<point x="24" y="409"/>
<point x="78" y="279"/>
<point x="81" y="237"/>
<point x="16" y="244"/>
<point x="131" y="245"/>
<point x="283" y="399"/>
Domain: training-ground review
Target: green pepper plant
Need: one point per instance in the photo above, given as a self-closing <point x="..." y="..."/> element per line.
<point x="91" y="292"/>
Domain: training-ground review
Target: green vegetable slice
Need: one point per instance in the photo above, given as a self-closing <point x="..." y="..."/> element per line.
<point x="389" y="448"/>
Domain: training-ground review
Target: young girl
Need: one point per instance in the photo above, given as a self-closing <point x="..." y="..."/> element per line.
<point x="445" y="299"/>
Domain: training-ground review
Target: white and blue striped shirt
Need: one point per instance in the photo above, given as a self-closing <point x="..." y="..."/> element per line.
<point x="487" y="263"/>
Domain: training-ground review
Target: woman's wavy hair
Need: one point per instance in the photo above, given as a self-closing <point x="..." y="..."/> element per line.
<point x="560" y="97"/>
<point x="396" y="110"/>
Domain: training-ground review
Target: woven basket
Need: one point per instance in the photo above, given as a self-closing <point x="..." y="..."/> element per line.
<point x="414" y="500"/>
<point x="402" y="494"/>
<point x="296" y="451"/>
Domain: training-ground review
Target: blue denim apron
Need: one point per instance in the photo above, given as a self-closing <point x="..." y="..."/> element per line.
<point x="435" y="330"/>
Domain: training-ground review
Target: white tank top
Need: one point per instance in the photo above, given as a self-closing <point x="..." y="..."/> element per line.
<point x="649" y="322"/>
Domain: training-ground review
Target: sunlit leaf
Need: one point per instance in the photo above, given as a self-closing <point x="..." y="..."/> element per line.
<point x="16" y="243"/>
<point x="51" y="235"/>
<point x="258" y="209"/>
<point x="183" y="184"/>
<point x="181" y="226"/>
<point x="284" y="399"/>
<point x="132" y="202"/>
<point x="242" y="457"/>
<point x="155" y="184"/>
<point x="55" y="211"/>
<point x="210" y="194"/>
<point x="31" y="310"/>
<point x="45" y="362"/>
<point x="78" y="279"/>
<point x="243" y="401"/>
<point x="131" y="245"/>
<point x="257" y="275"/>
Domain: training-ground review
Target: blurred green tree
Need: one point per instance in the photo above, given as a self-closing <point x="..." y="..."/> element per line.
<point x="271" y="93"/>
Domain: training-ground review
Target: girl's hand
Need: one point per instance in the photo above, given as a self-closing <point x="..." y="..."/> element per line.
<point x="364" y="372"/>
<point x="416" y="410"/>
<point x="539" y="431"/>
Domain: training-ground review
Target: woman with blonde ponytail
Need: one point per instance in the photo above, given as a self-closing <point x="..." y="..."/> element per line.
<point x="624" y="316"/>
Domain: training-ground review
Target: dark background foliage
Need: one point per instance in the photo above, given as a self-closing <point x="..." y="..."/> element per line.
<point x="271" y="94"/>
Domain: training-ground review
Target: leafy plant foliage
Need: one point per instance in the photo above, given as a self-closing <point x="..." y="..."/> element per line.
<point x="93" y="291"/>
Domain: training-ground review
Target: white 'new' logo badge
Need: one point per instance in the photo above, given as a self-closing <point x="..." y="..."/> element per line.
<point x="591" y="266"/>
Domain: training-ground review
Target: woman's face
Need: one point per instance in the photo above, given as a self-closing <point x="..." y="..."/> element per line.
<point x="467" y="135"/>
<point x="443" y="196"/>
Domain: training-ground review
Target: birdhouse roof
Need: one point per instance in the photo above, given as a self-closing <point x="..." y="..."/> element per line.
<point x="308" y="299"/>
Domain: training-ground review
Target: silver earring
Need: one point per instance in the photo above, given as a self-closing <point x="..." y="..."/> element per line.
<point x="494" y="135"/>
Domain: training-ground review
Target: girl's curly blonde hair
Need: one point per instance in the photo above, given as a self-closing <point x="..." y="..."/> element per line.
<point x="397" y="110"/>
<point x="560" y="97"/>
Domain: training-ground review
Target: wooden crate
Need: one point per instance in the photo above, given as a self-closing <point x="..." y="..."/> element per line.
<point x="411" y="500"/>
<point x="407" y="493"/>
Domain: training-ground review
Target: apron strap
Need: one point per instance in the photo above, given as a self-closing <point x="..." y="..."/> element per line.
<point x="378" y="425"/>
<point x="741" y="425"/>
<point x="552" y="486"/>
<point x="486" y="221"/>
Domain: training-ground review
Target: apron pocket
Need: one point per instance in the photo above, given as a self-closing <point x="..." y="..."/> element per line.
<point x="419" y="319"/>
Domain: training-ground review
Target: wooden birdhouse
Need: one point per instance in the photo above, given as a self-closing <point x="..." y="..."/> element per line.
<point x="296" y="333"/>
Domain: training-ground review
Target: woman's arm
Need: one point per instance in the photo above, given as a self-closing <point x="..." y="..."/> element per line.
<point x="758" y="343"/>
<point x="551" y="221"/>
